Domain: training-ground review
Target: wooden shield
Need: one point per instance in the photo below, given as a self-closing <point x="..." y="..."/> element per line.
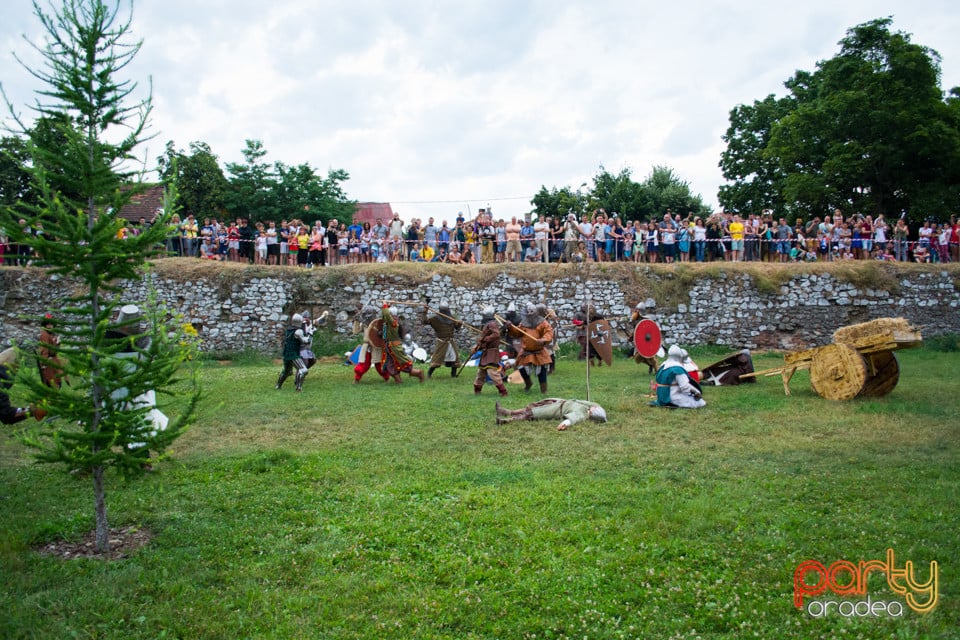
<point x="601" y="339"/>
<point x="647" y="338"/>
<point x="376" y="333"/>
<point x="727" y="372"/>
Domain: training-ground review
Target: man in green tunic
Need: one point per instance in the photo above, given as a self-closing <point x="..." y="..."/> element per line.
<point x="569" y="412"/>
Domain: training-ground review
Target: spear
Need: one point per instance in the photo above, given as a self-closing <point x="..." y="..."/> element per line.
<point x="503" y="321"/>
<point x="442" y="315"/>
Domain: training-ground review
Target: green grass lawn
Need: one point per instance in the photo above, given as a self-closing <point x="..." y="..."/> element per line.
<point x="403" y="511"/>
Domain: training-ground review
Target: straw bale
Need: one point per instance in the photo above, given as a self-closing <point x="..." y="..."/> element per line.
<point x="881" y="326"/>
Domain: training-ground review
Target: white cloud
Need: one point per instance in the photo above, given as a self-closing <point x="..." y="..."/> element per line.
<point x="477" y="101"/>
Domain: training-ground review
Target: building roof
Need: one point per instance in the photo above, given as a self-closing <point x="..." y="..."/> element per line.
<point x="146" y="204"/>
<point x="370" y="211"/>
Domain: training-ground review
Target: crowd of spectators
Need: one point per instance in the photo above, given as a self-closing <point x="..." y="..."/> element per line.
<point x="599" y="237"/>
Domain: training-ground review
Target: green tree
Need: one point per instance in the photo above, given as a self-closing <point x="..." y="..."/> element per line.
<point x="869" y="130"/>
<point x="260" y="191"/>
<point x="252" y="193"/>
<point x="201" y="185"/>
<point x="618" y="193"/>
<point x="759" y="183"/>
<point x="558" y="203"/>
<point x="300" y="193"/>
<point x="14" y="171"/>
<point x="662" y="190"/>
<point x="97" y="420"/>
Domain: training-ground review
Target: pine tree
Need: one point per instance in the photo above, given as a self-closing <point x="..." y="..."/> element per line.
<point x="98" y="418"/>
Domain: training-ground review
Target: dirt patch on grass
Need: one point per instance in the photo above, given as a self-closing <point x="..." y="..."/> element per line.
<point x="123" y="543"/>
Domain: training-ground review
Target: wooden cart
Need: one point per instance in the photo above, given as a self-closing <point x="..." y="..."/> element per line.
<point x="860" y="362"/>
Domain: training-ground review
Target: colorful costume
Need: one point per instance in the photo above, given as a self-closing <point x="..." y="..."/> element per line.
<point x="370" y="351"/>
<point x="394" y="360"/>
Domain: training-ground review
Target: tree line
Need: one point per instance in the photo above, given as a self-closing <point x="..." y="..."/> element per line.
<point x="869" y="131"/>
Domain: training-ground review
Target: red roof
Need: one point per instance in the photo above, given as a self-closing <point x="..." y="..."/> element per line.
<point x="370" y="211"/>
<point x="144" y="205"/>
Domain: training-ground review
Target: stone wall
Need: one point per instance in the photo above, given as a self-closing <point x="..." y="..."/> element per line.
<point x="754" y="306"/>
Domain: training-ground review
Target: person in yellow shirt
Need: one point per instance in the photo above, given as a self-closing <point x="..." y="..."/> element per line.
<point x="427" y="253"/>
<point x="736" y="238"/>
<point x="190" y="230"/>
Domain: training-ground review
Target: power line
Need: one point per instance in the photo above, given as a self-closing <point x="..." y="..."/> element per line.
<point x="461" y="200"/>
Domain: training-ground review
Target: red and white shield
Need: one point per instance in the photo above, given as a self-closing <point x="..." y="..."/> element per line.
<point x="647" y="338"/>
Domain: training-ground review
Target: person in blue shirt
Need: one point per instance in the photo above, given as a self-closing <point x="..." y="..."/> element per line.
<point x="527" y="235"/>
<point x="443" y="238"/>
<point x="354" y="231"/>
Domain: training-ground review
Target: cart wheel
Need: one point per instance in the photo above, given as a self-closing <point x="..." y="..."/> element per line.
<point x="883" y="373"/>
<point x="838" y="372"/>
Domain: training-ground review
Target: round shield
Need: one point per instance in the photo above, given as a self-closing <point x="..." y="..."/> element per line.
<point x="647" y="338"/>
<point x="376" y="333"/>
<point x="420" y="354"/>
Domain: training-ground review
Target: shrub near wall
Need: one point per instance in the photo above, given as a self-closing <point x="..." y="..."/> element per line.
<point x="237" y="308"/>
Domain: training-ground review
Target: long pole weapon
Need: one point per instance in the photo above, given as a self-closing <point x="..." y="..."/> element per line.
<point x="428" y="308"/>
<point x="587" y="340"/>
<point x="504" y="321"/>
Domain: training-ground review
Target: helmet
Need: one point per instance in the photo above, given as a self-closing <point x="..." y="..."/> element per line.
<point x="296" y="319"/>
<point x="597" y="413"/>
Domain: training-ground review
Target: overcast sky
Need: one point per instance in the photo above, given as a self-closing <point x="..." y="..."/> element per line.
<point x="439" y="107"/>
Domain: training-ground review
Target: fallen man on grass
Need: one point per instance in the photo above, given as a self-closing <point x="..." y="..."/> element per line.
<point x="569" y="412"/>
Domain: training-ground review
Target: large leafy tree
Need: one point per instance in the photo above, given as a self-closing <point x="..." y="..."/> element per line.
<point x="14" y="176"/>
<point x="759" y="183"/>
<point x="201" y="185"/>
<point x="618" y="193"/>
<point x="84" y="174"/>
<point x="15" y="160"/>
<point x="260" y="191"/>
<point x="869" y="130"/>
<point x="253" y="182"/>
<point x="659" y="191"/>
<point x="301" y="193"/>
<point x="558" y="203"/>
<point x="663" y="189"/>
